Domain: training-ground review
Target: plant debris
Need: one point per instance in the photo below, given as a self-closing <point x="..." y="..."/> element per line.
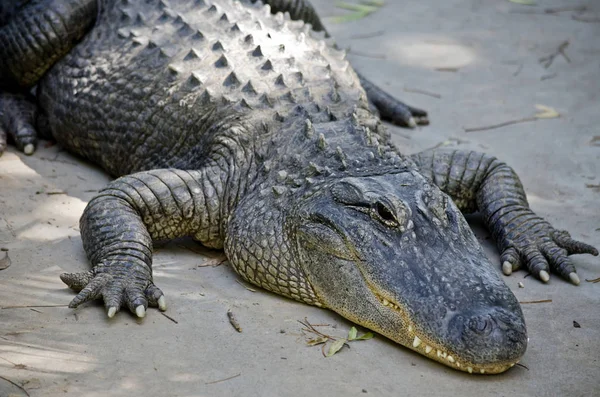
<point x="337" y="343"/>
<point x="233" y="321"/>
<point x="545" y="112"/>
<point x="594" y="280"/>
<point x="595" y="141"/>
<point x="595" y="187"/>
<point x="560" y="50"/>
<point x="359" y="11"/>
<point x="222" y="380"/>
<point x="169" y="317"/>
<point x="576" y="324"/>
<point x="540" y="301"/>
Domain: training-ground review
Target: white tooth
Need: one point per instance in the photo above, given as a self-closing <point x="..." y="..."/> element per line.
<point x="385" y="302"/>
<point x="457" y="364"/>
<point x="439" y="353"/>
<point x="410" y="328"/>
<point x="451" y="359"/>
<point x="482" y="371"/>
<point x="470" y="370"/>
<point x="428" y="349"/>
<point x="512" y="365"/>
<point x="444" y="354"/>
<point x="416" y="342"/>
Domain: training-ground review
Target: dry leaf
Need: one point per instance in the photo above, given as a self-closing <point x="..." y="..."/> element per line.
<point x="352" y="333"/>
<point x="546" y="112"/>
<point x="367" y="336"/>
<point x="336" y="347"/>
<point x="317" y="341"/>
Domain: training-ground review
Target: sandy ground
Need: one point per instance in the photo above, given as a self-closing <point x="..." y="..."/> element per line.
<point x="481" y="59"/>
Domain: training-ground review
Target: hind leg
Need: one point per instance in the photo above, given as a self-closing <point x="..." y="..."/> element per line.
<point x="33" y="36"/>
<point x="17" y="120"/>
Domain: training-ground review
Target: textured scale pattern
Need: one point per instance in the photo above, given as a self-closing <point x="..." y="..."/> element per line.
<point x="251" y="133"/>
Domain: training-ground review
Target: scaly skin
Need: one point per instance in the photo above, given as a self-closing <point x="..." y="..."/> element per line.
<point x="241" y="129"/>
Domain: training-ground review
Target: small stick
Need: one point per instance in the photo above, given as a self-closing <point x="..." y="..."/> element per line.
<point x="34" y="310"/>
<point x="540" y="301"/>
<point x="232" y="320"/>
<point x="595" y="280"/>
<point x="547" y="60"/>
<point x="222" y="380"/>
<point x="418" y="91"/>
<point x="169" y="317"/>
<point x="13" y="383"/>
<point x="491" y="127"/>
<point x="29" y="307"/>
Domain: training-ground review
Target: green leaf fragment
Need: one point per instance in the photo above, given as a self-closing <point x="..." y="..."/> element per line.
<point x="336" y="347"/>
<point x="359" y="10"/>
<point x="367" y="336"/>
<point x="352" y="333"/>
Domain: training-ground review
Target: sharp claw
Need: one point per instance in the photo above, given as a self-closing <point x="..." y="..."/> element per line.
<point x="412" y="123"/>
<point x="28" y="149"/>
<point x="112" y="311"/>
<point x="574" y="278"/>
<point x="140" y="311"/>
<point x="162" y="303"/>
<point x="507" y="268"/>
<point x="544" y="276"/>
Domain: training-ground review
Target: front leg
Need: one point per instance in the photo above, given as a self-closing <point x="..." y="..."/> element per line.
<point x="120" y="223"/>
<point x="479" y="182"/>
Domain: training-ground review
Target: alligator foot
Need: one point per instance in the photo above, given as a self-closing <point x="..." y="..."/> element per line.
<point x="542" y="249"/>
<point x="17" y="120"/>
<point x="391" y="109"/>
<point x="118" y="284"/>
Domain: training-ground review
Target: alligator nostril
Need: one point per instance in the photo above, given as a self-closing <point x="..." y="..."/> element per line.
<point x="482" y="324"/>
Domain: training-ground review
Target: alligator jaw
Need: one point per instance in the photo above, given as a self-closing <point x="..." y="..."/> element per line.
<point x="417" y="341"/>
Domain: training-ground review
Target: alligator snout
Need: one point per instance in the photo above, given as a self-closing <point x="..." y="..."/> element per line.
<point x="495" y="336"/>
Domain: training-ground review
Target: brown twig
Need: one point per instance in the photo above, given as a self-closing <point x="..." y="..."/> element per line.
<point x="222" y="380"/>
<point x="233" y="321"/>
<point x="169" y="317"/>
<point x="547" y="60"/>
<point x="15" y="384"/>
<point x="30" y="306"/>
<point x="540" y="301"/>
<point x="311" y="328"/>
<point x="419" y="91"/>
<point x="594" y="280"/>
<point x="504" y="124"/>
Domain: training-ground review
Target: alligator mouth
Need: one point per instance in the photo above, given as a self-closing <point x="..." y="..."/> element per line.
<point x="423" y="345"/>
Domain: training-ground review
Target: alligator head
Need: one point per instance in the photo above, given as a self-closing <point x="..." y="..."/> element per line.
<point x="393" y="253"/>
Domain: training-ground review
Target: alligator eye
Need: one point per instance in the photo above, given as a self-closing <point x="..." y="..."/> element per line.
<point x="384" y="213"/>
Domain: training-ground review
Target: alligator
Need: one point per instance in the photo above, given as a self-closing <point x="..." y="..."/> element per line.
<point x="244" y="129"/>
